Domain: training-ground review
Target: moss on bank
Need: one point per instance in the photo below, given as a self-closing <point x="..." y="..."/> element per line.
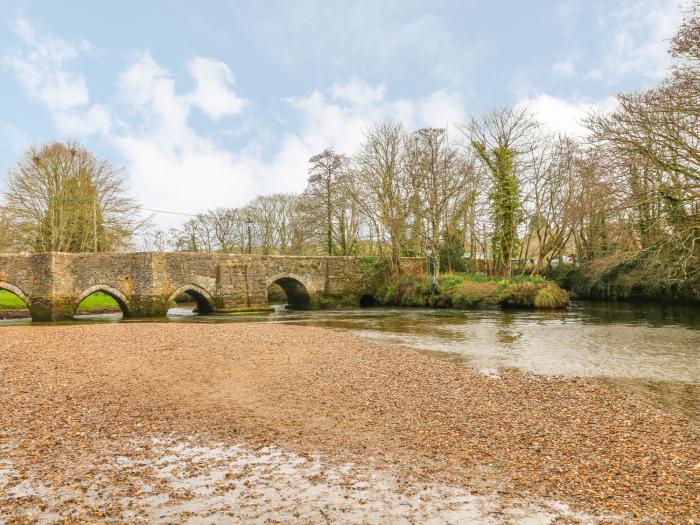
<point x="462" y="291"/>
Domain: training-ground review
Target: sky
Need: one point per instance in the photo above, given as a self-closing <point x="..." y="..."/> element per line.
<point x="207" y="104"/>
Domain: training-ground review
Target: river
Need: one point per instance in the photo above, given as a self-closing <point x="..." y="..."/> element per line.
<point x="652" y="350"/>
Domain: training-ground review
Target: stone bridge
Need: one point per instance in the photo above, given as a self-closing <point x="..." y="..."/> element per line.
<point x="145" y="284"/>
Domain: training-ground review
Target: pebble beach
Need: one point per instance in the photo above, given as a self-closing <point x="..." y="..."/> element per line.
<point x="187" y="423"/>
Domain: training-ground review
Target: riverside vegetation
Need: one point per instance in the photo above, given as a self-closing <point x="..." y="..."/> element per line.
<point x="462" y="291"/>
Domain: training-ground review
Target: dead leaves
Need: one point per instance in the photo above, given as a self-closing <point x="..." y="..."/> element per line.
<point x="66" y="391"/>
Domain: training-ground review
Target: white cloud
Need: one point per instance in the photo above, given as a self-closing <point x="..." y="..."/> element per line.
<point x="364" y="37"/>
<point x="358" y="92"/>
<point x="171" y="163"/>
<point x="636" y="38"/>
<point x="329" y="120"/>
<point x="565" y="68"/>
<point x="41" y="69"/>
<point x="18" y="139"/>
<point x="213" y="94"/>
<point x="564" y="116"/>
<point x="96" y="118"/>
<point x="175" y="168"/>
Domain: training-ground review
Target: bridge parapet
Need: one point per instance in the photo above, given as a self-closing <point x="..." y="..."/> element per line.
<point x="144" y="284"/>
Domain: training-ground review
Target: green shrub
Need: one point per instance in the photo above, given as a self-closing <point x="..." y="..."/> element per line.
<point x="480" y="277"/>
<point x="408" y="291"/>
<point x="462" y="290"/>
<point x="391" y="295"/>
<point x="551" y="297"/>
<point x="450" y="280"/>
<point x="533" y="279"/>
<point x="519" y="294"/>
<point x="375" y="269"/>
<point x="533" y="294"/>
<point x="443" y="300"/>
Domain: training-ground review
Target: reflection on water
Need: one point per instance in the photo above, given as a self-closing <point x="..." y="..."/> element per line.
<point x="652" y="349"/>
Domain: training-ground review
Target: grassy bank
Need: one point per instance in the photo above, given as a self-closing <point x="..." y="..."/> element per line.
<point x="97" y="301"/>
<point x="462" y="290"/>
<point x="9" y="301"/>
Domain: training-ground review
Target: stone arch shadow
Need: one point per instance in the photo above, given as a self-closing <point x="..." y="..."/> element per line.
<point x="297" y="290"/>
<point x="205" y="301"/>
<point x="368" y="300"/>
<point x="115" y="294"/>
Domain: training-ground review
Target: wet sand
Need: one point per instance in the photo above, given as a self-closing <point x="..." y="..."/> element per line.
<point x="256" y="423"/>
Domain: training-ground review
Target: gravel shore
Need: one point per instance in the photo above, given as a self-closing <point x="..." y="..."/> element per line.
<point x="90" y="415"/>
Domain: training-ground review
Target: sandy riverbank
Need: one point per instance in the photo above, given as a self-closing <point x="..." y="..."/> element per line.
<point x="95" y="418"/>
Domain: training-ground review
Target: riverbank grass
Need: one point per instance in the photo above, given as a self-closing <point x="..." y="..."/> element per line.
<point x="97" y="301"/>
<point x="469" y="290"/>
<point x="9" y="301"/>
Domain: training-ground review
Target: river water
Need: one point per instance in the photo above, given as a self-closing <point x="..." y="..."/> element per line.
<point x="652" y="350"/>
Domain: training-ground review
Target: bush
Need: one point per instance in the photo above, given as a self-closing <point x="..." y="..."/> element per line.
<point x="519" y="294"/>
<point x="408" y="291"/>
<point x="532" y="294"/>
<point x="461" y="290"/>
<point x="451" y="280"/>
<point x="391" y="295"/>
<point x="533" y="279"/>
<point x="551" y="297"/>
<point x="440" y="301"/>
<point x="375" y="269"/>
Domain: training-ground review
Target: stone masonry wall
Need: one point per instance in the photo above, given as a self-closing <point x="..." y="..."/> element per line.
<point x="144" y="284"/>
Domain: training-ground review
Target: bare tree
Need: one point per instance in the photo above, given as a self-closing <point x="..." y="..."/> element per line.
<point x="156" y="239"/>
<point x="550" y="199"/>
<point x="501" y="140"/>
<point x="323" y="173"/>
<point x="383" y="189"/>
<point x="61" y="198"/>
<point x="440" y="177"/>
<point x="653" y="143"/>
<point x="5" y="244"/>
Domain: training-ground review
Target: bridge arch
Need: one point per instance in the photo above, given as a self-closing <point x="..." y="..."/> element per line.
<point x="368" y="301"/>
<point x="15" y="290"/>
<point x="205" y="301"/>
<point x="295" y="288"/>
<point x="115" y="294"/>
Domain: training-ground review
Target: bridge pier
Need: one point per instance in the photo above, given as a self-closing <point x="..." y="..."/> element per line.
<point x="46" y="309"/>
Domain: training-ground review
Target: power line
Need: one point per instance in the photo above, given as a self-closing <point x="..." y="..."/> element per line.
<point x="170" y="212"/>
<point x="92" y="201"/>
